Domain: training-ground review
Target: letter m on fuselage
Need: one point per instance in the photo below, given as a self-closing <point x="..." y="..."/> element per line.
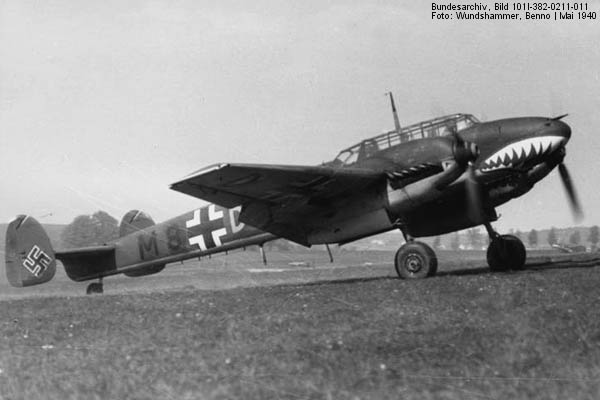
<point x="148" y="246"/>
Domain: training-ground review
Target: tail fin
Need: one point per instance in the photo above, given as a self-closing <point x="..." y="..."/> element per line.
<point x="134" y="221"/>
<point x="30" y="259"/>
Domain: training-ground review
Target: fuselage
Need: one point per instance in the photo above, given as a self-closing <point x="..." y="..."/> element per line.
<point x="206" y="230"/>
<point x="513" y="154"/>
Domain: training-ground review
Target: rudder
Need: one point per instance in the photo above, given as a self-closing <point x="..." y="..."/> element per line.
<point x="134" y="221"/>
<point x="29" y="257"/>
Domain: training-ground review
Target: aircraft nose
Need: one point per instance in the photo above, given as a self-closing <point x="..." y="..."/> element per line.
<point x="559" y="128"/>
<point x="565" y="129"/>
<point x="528" y="140"/>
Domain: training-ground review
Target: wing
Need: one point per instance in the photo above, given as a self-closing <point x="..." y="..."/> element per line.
<point x="288" y="201"/>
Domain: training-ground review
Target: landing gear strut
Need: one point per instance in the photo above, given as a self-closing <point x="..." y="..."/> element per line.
<point x="505" y="252"/>
<point x="95" y="287"/>
<point x="415" y="260"/>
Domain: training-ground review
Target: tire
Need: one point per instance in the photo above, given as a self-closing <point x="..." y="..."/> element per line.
<point x="95" y="288"/>
<point x="506" y="252"/>
<point x="415" y="260"/>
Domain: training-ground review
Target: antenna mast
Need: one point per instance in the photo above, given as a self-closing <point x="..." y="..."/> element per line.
<point x="396" y="121"/>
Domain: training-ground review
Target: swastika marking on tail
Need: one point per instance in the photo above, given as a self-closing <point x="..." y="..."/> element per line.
<point x="37" y="261"/>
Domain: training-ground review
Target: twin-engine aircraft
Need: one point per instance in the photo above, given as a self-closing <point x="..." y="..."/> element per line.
<point x="426" y="179"/>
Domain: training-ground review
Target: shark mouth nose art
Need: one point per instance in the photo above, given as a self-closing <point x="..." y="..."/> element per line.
<point x="518" y="152"/>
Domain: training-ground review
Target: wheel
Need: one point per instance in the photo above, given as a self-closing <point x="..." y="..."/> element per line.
<point x="506" y="252"/>
<point x="415" y="260"/>
<point x="95" y="288"/>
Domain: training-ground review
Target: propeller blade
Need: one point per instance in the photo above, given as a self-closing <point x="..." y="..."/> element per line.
<point x="571" y="194"/>
<point x="474" y="202"/>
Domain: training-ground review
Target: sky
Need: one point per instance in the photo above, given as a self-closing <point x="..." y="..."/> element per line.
<point x="104" y="104"/>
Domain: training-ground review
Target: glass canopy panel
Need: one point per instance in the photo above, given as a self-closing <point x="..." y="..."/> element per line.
<point x="436" y="127"/>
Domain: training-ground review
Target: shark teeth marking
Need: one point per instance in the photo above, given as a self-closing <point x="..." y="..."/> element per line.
<point x="518" y="152"/>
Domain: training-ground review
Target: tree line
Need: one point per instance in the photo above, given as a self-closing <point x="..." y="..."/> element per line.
<point x="100" y="228"/>
<point x="90" y="230"/>
<point x="477" y="239"/>
<point x="574" y="238"/>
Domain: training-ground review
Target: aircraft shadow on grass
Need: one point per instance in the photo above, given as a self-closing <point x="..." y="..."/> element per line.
<point x="477" y="270"/>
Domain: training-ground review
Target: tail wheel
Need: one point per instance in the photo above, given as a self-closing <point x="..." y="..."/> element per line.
<point x="506" y="252"/>
<point x="415" y="260"/>
<point x="95" y="288"/>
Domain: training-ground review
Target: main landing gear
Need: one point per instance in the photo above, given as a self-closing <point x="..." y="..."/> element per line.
<point x="505" y="252"/>
<point x="95" y="287"/>
<point x="415" y="260"/>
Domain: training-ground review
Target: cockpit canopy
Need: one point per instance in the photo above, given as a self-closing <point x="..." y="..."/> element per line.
<point x="441" y="126"/>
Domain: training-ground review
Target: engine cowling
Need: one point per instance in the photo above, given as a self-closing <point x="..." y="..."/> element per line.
<point x="409" y="197"/>
<point x="454" y="155"/>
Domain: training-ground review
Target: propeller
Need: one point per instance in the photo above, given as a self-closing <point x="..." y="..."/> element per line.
<point x="467" y="153"/>
<point x="571" y="194"/>
<point x="474" y="203"/>
<point x="464" y="152"/>
<point x="565" y="177"/>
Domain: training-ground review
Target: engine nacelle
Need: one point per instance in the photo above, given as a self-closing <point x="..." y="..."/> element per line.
<point x="435" y="219"/>
<point x="408" y="198"/>
<point x="436" y="205"/>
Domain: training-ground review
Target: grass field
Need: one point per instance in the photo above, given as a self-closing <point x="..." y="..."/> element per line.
<point x="344" y="333"/>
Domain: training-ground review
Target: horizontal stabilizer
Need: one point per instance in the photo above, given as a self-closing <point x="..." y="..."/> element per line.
<point x="87" y="263"/>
